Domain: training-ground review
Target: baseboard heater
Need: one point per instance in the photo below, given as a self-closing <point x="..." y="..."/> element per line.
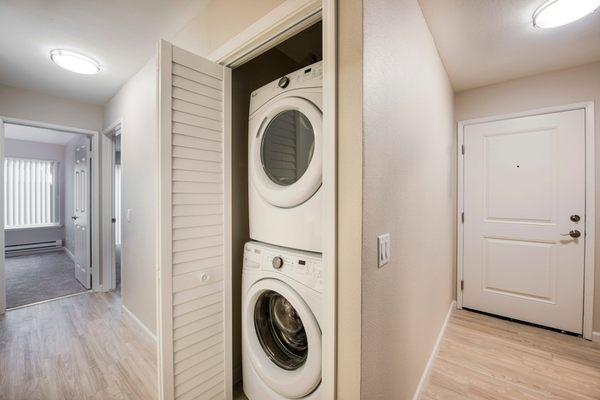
<point x="32" y="247"/>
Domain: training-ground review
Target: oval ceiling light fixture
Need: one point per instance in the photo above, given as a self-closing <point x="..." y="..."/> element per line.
<point x="74" y="62"/>
<point x="555" y="13"/>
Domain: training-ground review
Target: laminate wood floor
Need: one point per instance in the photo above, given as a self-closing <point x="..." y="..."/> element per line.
<point x="482" y="357"/>
<point x="80" y="347"/>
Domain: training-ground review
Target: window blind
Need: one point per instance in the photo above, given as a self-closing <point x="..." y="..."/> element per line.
<point x="31" y="193"/>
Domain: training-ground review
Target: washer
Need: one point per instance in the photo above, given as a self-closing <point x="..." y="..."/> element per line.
<point x="281" y="323"/>
<point x="285" y="139"/>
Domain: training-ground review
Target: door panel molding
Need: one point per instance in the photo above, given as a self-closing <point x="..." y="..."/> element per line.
<point x="590" y="198"/>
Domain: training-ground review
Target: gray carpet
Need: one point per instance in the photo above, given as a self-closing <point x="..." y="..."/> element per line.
<point x="37" y="277"/>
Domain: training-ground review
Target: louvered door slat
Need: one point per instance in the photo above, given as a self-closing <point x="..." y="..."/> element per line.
<point x="195" y="227"/>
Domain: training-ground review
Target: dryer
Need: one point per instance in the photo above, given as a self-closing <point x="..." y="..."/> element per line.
<point x="281" y="323"/>
<point x="285" y="139"/>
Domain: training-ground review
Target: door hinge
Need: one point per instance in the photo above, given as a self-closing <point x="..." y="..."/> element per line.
<point x="462" y="217"/>
<point x="462" y="149"/>
<point x="462" y="285"/>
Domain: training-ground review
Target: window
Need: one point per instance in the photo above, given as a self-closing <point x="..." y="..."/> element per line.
<point x="31" y="193"/>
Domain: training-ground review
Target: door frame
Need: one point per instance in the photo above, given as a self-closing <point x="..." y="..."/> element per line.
<point x="281" y="23"/>
<point x="590" y="198"/>
<point x="95" y="199"/>
<point x="108" y="250"/>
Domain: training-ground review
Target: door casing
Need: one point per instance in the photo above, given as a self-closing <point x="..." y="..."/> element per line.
<point x="590" y="205"/>
<point x="291" y="17"/>
<point x="108" y="248"/>
<point x="97" y="284"/>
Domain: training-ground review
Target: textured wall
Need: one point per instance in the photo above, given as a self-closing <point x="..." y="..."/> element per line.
<point x="136" y="104"/>
<point x="409" y="191"/>
<point x="220" y="21"/>
<point x="35" y="106"/>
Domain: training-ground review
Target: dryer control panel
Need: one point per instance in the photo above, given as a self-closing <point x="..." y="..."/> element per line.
<point x="304" y="267"/>
<point x="305" y="78"/>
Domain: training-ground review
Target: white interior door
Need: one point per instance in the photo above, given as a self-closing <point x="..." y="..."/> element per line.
<point x="2" y="280"/>
<point x="194" y="227"/>
<point x="524" y="226"/>
<point x="81" y="205"/>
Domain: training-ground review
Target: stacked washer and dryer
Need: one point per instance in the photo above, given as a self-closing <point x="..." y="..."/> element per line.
<point x="282" y="281"/>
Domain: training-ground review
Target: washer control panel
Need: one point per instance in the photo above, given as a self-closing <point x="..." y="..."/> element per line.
<point x="304" y="267"/>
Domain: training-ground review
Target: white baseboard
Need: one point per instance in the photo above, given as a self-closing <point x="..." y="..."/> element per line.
<point x="69" y="254"/>
<point x="136" y="319"/>
<point x="434" y="352"/>
<point x="596" y="337"/>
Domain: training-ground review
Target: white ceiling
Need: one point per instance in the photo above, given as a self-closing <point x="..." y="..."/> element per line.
<point x="488" y="41"/>
<point x="40" y="135"/>
<point x="120" y="35"/>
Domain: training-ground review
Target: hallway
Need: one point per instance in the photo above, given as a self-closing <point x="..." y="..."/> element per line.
<point x="80" y="347"/>
<point x="481" y="357"/>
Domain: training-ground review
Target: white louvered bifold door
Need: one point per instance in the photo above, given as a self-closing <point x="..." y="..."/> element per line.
<point x="195" y="233"/>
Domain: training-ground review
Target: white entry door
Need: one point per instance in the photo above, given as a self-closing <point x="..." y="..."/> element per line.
<point x="524" y="223"/>
<point x="81" y="202"/>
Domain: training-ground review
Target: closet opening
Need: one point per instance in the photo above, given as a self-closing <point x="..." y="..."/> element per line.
<point x="286" y="147"/>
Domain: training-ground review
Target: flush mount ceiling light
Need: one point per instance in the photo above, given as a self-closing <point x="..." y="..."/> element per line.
<point x="555" y="13"/>
<point x="74" y="62"/>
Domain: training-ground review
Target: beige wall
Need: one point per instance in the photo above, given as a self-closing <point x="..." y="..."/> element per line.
<point x="136" y="105"/>
<point x="408" y="191"/>
<point x="220" y="21"/>
<point x="35" y="106"/>
<point x="349" y="207"/>
<point x="550" y="89"/>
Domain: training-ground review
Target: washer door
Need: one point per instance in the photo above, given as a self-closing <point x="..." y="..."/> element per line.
<point x="283" y="339"/>
<point x="286" y="154"/>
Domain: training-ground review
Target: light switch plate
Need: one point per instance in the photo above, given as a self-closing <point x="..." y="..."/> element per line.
<point x="383" y="249"/>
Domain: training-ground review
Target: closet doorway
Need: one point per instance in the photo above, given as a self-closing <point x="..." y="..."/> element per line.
<point x="112" y="194"/>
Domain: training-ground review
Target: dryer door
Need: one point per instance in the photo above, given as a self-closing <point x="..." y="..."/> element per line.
<point x="285" y="154"/>
<point x="283" y="338"/>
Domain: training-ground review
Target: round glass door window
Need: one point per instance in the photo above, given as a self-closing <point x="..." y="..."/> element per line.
<point x="288" y="144"/>
<point x="280" y="331"/>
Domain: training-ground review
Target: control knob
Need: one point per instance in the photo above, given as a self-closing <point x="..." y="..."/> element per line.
<point x="277" y="262"/>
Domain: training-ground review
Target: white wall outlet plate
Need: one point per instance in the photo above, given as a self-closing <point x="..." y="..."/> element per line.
<point x="383" y="249"/>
